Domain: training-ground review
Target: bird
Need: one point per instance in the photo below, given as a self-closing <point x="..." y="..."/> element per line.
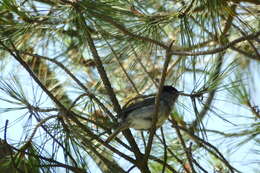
<point x="140" y="115"/>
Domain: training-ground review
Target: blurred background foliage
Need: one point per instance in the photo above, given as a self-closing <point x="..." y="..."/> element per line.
<point x="67" y="66"/>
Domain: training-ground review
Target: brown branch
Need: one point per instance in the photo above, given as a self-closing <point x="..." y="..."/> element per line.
<point x="92" y="96"/>
<point x="200" y="115"/>
<point x="143" y="66"/>
<point x="205" y="145"/>
<point x="55" y="139"/>
<point x="58" y="164"/>
<point x="198" y="165"/>
<point x="122" y="67"/>
<point x="86" y="130"/>
<point x="37" y="126"/>
<point x="249" y="55"/>
<point x="103" y="126"/>
<point x="157" y="102"/>
<point x="165" y="150"/>
<point x="154" y="158"/>
<point x="122" y="28"/>
<point x="10" y="150"/>
<point x="112" y="166"/>
<point x="189" y="7"/>
<point x="69" y="114"/>
<point x="249" y="41"/>
<point x="15" y="54"/>
<point x="219" y="49"/>
<point x="254" y="109"/>
<point x="143" y="167"/>
<point x="102" y="73"/>
<point x="257" y="2"/>
<point x="38" y="109"/>
<point x="175" y="156"/>
<point x="189" y="156"/>
<point x="179" y="160"/>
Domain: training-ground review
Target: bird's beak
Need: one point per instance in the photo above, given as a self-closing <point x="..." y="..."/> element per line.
<point x="182" y="93"/>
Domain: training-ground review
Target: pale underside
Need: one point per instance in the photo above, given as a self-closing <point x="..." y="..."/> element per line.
<point x="141" y="119"/>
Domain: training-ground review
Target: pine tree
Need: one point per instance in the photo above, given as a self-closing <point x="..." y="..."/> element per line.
<point x="68" y="67"/>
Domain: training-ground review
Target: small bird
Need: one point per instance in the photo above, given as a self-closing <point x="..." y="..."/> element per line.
<point x="140" y="114"/>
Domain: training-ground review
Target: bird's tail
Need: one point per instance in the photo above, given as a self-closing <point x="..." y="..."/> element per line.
<point x="117" y="130"/>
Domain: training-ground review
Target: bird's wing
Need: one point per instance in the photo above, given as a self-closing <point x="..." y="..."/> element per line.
<point x="137" y="105"/>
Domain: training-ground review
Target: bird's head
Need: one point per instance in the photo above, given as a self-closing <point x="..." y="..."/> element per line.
<point x="170" y="89"/>
<point x="170" y="93"/>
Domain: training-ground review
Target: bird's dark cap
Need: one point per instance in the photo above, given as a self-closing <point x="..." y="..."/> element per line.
<point x="171" y="89"/>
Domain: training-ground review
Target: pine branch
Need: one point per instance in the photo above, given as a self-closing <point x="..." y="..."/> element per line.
<point x="219" y="49"/>
<point x="157" y="102"/>
<point x="91" y="95"/>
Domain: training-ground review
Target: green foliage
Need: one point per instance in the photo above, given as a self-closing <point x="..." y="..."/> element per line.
<point x="74" y="64"/>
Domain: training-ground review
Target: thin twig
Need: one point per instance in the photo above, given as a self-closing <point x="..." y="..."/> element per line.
<point x="219" y="49"/>
<point x="189" y="7"/>
<point x="189" y="157"/>
<point x="157" y="102"/>
<point x="58" y="164"/>
<point x="39" y="125"/>
<point x="111" y="93"/>
<point x="198" y="165"/>
<point x="249" y="55"/>
<point x="112" y="166"/>
<point x="175" y="156"/>
<point x="5" y="131"/>
<point x="76" y="80"/>
<point x="249" y="41"/>
<point x="165" y="150"/>
<point x="143" y="139"/>
<point x="130" y="169"/>
<point x="69" y="114"/>
<point x="76" y="100"/>
<point x="205" y="145"/>
<point x="123" y="29"/>
<point x="179" y="160"/>
<point x="10" y="151"/>
<point x="102" y="73"/>
<point x="139" y="60"/>
<point x="122" y="67"/>
<point x="16" y="55"/>
<point x="162" y="162"/>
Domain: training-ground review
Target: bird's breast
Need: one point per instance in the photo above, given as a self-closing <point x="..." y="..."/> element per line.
<point x="141" y="119"/>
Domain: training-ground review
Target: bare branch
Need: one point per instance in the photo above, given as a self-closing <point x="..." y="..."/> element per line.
<point x="219" y="49"/>
<point x="157" y="102"/>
